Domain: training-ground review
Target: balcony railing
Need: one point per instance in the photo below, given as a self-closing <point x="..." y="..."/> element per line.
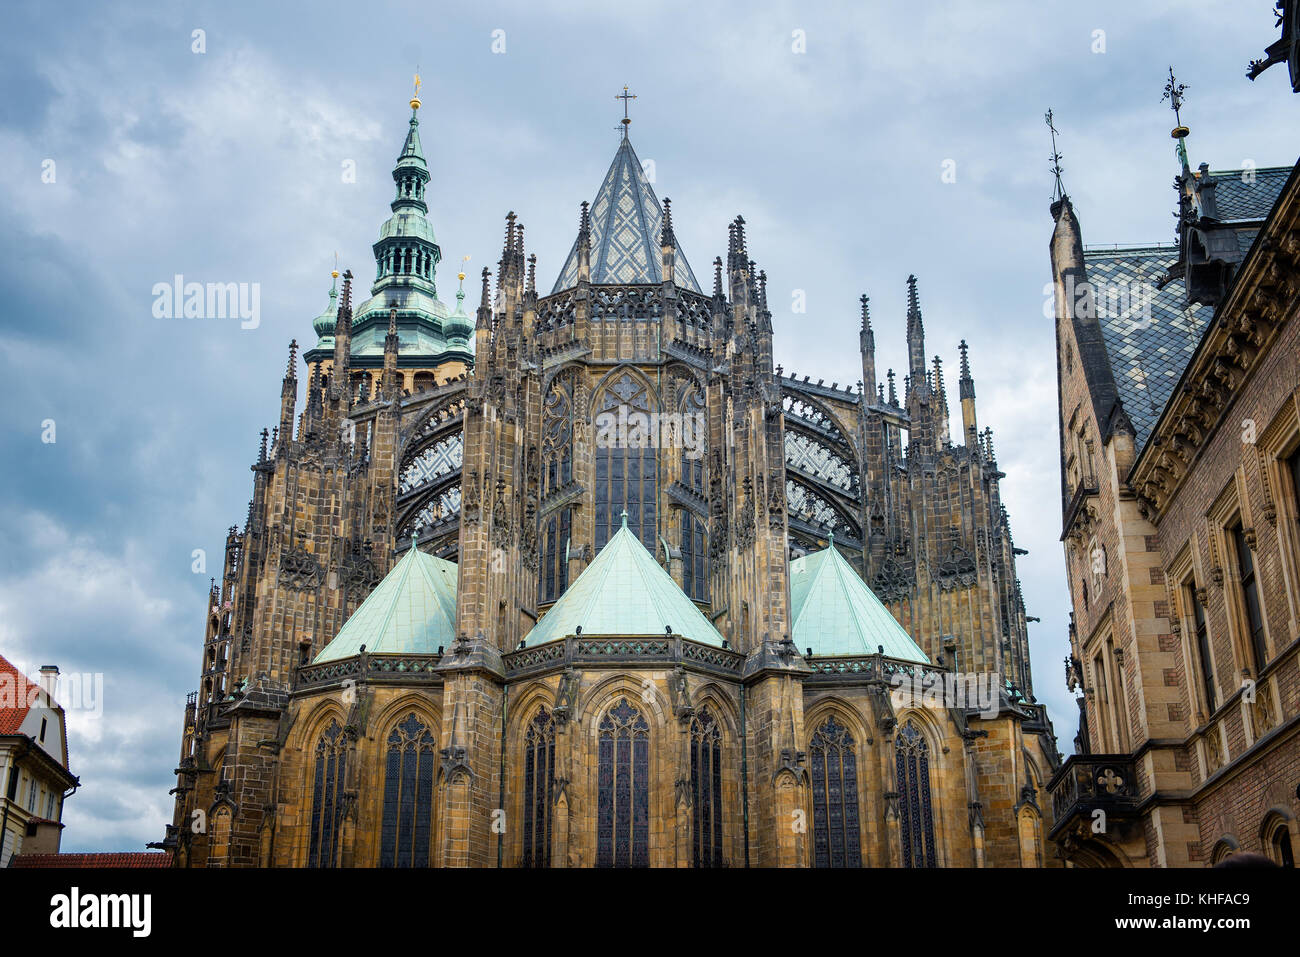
<point x="1089" y="782"/>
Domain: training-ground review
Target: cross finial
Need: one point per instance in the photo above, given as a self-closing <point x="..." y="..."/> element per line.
<point x="625" y="96"/>
<point x="415" y="97"/>
<point x="1056" y="158"/>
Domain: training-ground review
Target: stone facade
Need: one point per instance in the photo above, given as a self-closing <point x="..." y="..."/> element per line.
<point x="502" y="469"/>
<point x="1176" y="530"/>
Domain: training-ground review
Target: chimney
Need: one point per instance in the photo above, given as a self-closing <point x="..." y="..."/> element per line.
<point x="49" y="680"/>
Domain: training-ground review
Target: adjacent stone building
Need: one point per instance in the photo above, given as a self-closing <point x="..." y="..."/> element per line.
<point x="593" y="589"/>
<point x="1180" y="468"/>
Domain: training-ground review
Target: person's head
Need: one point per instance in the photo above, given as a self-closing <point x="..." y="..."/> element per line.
<point x="1246" y="859"/>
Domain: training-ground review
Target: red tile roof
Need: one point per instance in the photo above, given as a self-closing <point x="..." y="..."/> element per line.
<point x="129" y="859"/>
<point x="13" y="683"/>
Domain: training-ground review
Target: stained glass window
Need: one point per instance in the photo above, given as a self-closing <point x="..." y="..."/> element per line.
<point x="627" y="468"/>
<point x="557" y="472"/>
<point x="539" y="783"/>
<point x="407" y="826"/>
<point x="623" y="788"/>
<point x="834" y="765"/>
<point x="916" y="816"/>
<point x="327" y="797"/>
<point x="695" y="553"/>
<point x="706" y="789"/>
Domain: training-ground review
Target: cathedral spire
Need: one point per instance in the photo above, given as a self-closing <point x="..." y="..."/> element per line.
<point x="867" y="346"/>
<point x="583" y="243"/>
<point x="915" y="338"/>
<point x="289" y="391"/>
<point x="625" y="229"/>
<point x="391" y="387"/>
<point x="966" y="390"/>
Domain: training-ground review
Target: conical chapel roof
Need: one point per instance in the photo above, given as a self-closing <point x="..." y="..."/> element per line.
<point x="626" y="220"/>
<point x="412" y="611"/>
<point x="835" y="613"/>
<point x="624" y="592"/>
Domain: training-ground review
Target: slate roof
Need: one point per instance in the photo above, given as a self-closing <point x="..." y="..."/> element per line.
<point x="624" y="592"/>
<point x="1248" y="197"/>
<point x="626" y="221"/>
<point x="1150" y="334"/>
<point x="835" y="613"/>
<point x="412" y="611"/>
<point x="125" y="859"/>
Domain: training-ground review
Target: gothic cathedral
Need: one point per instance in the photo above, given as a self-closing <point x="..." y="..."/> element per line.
<point x="586" y="580"/>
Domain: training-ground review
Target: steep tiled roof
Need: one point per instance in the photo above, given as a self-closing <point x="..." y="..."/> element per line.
<point x="624" y="592"/>
<point x="16" y="695"/>
<point x="412" y="611"/>
<point x="625" y="224"/>
<point x="835" y="613"/>
<point x="1248" y="194"/>
<point x="125" y="859"/>
<point x="1149" y="333"/>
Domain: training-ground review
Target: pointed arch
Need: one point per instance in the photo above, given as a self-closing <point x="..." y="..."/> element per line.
<point x="539" y="787"/>
<point x="915" y="805"/>
<point x="410" y="760"/>
<point x="624" y="407"/>
<point x="623" y="785"/>
<point x="833" y="771"/>
<point x="329" y="772"/>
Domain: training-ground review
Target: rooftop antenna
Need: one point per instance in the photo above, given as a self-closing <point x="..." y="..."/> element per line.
<point x="1059" y="190"/>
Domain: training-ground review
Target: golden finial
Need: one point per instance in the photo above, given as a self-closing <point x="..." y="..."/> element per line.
<point x="335" y="271"/>
<point x="461" y="275"/>
<point x="415" y="100"/>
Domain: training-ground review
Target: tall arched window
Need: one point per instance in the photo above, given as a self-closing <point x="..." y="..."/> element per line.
<point x="706" y="789"/>
<point x="695" y="555"/>
<point x="539" y="784"/>
<point x="407" y="828"/>
<point x="695" y="538"/>
<point x="623" y="798"/>
<point x="557" y="472"/>
<point x="837" y="841"/>
<point x="327" y="797"/>
<point x="916" y="817"/>
<point x="627" y="468"/>
<point x="1277" y="842"/>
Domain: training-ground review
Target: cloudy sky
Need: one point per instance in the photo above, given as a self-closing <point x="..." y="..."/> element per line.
<point x="226" y="165"/>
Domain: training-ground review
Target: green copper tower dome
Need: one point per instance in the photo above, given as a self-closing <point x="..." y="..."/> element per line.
<point x="407" y="255"/>
<point x="324" y="323"/>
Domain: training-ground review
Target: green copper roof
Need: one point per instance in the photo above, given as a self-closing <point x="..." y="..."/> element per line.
<point x="835" y="613"/>
<point x="324" y="323"/>
<point x="459" y="326"/>
<point x="624" y="592"/>
<point x="626" y="220"/>
<point x="412" y="611"/>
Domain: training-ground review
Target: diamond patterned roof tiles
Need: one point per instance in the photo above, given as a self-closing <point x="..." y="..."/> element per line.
<point x="1248" y="194"/>
<point x="624" y="592"/>
<point x="1150" y="334"/>
<point x="412" y="611"/>
<point x="835" y="613"/>
<point x="626" y="221"/>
